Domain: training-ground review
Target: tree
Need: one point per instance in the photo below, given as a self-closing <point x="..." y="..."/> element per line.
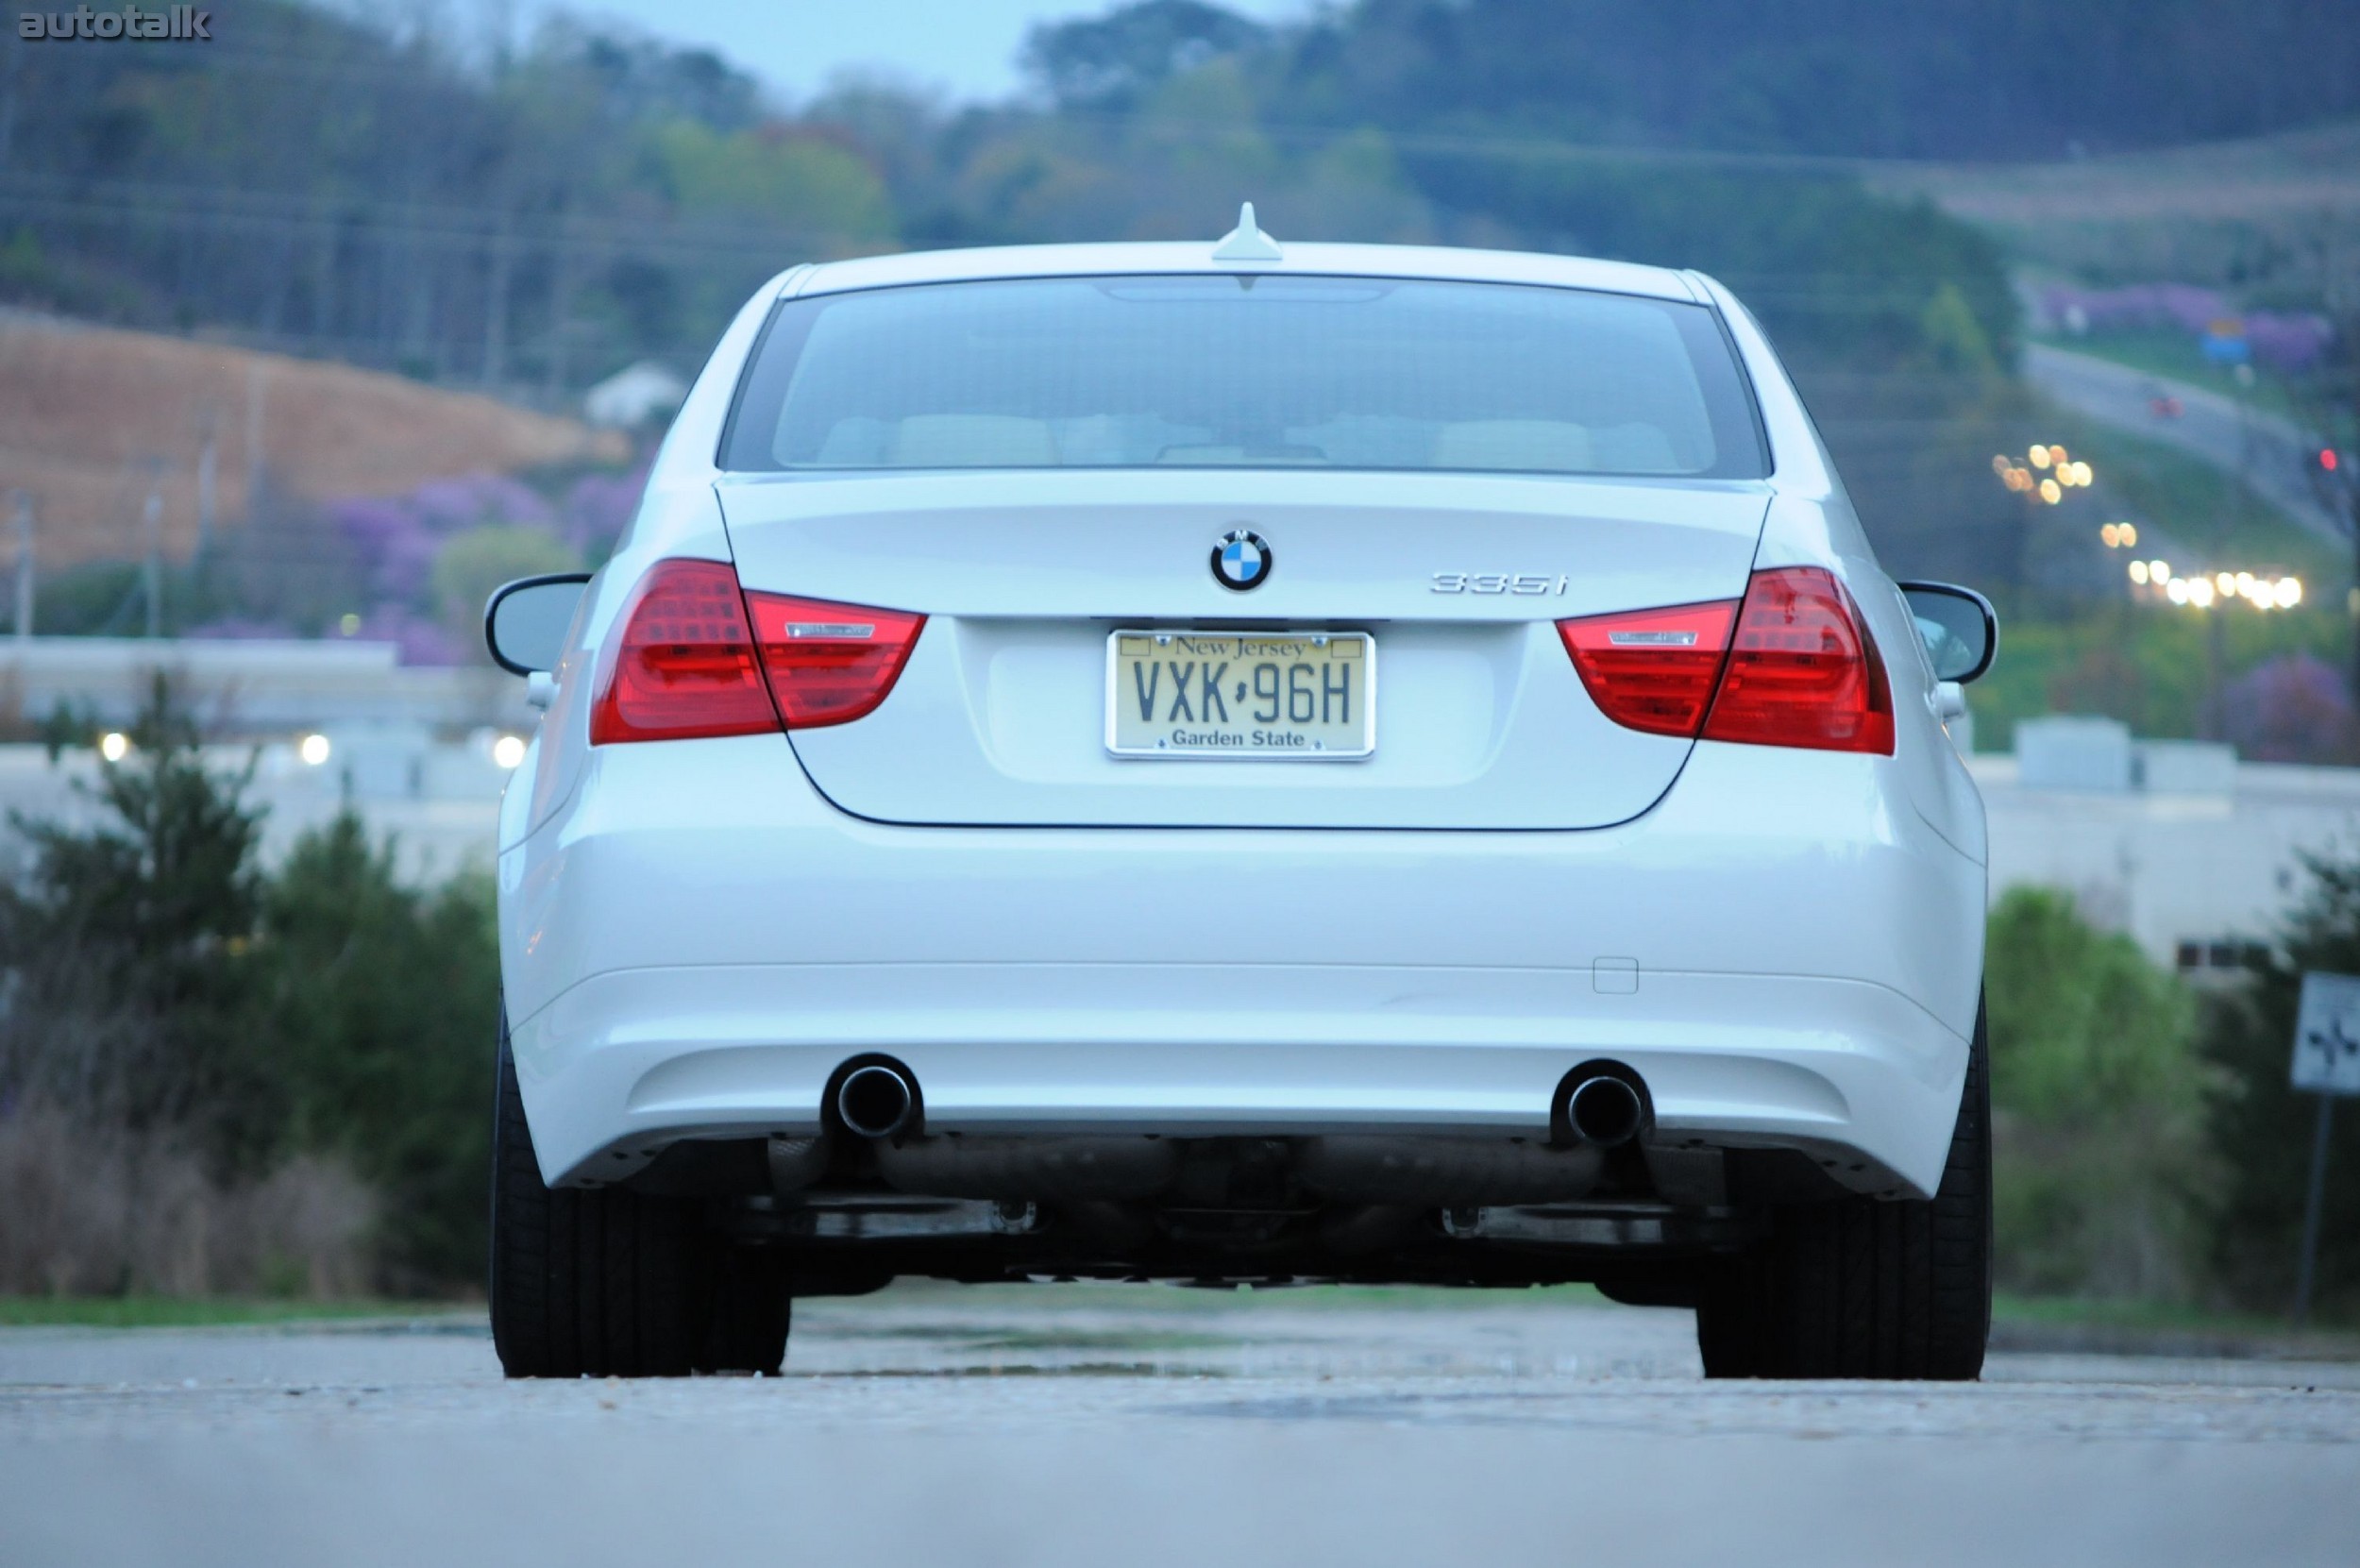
<point x="380" y="1001"/>
<point x="2261" y="1128"/>
<point x="2096" y="1100"/>
<point x="130" y="942"/>
<point x="163" y="986"/>
<point x="473" y="563"/>
<point x="773" y="174"/>
<point x="1112" y="60"/>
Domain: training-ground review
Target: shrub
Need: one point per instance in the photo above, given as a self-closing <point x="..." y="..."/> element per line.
<point x="95" y="1209"/>
<point x="212" y="1077"/>
<point x="2097" y="1098"/>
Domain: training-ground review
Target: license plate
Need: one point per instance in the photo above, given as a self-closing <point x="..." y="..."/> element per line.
<point x="1306" y="696"/>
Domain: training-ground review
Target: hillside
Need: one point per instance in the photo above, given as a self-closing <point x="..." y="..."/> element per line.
<point x="426" y="208"/>
<point x="2219" y="213"/>
<point x="1833" y="78"/>
<point x="90" y="418"/>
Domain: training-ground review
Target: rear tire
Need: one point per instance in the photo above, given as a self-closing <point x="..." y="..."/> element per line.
<point x="747" y="1329"/>
<point x="1860" y="1288"/>
<point x="610" y="1283"/>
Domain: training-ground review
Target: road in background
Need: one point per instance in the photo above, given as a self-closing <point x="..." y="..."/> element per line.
<point x="2272" y="455"/>
<point x="1082" y="1426"/>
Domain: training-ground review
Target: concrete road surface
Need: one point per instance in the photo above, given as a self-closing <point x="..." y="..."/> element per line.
<point x="2272" y="454"/>
<point x="1087" y="1425"/>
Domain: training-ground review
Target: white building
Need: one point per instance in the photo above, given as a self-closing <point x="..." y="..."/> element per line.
<point x="438" y="803"/>
<point x="421" y="753"/>
<point x="2191" y="851"/>
<point x="634" y="395"/>
<point x="259" y="686"/>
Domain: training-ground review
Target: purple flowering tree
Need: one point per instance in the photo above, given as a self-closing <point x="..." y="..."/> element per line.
<point x="2288" y="342"/>
<point x="2291" y="709"/>
<point x="397" y="541"/>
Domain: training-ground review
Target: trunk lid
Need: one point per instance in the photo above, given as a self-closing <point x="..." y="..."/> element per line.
<point x="1000" y="716"/>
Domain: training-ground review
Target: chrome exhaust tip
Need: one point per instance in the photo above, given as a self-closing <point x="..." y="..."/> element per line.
<point x="875" y="1101"/>
<point x="1605" y="1111"/>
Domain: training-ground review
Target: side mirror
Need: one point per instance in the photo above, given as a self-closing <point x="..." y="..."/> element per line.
<point x="525" y="622"/>
<point x="1961" y="631"/>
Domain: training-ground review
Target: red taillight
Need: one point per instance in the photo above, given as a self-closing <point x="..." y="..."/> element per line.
<point x="1652" y="669"/>
<point x="1797" y="669"/>
<point x="685" y="664"/>
<point x="830" y="664"/>
<point x="690" y="664"/>
<point x="1803" y="670"/>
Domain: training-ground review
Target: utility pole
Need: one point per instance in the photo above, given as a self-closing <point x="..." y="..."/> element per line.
<point x="253" y="442"/>
<point x="2315" y="1200"/>
<point x="561" y="309"/>
<point x="2327" y="1064"/>
<point x="206" y="460"/>
<point x="502" y="256"/>
<point x="152" y="522"/>
<point x="23" y="566"/>
<point x="2215" y="717"/>
<point x="8" y="105"/>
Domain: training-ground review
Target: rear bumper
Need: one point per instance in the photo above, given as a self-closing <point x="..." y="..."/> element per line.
<point x="1785" y="951"/>
<point x="625" y="1063"/>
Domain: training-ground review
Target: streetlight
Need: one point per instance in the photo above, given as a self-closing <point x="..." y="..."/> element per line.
<point x="2063" y="473"/>
<point x="2262" y="591"/>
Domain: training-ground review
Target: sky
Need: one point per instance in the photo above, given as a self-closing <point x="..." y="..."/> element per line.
<point x="967" y="46"/>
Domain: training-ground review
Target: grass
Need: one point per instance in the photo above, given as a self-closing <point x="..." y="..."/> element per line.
<point x="2158" y="1315"/>
<point x="2147" y="664"/>
<point x="2134" y="1320"/>
<point x="195" y="1312"/>
<point x="2193" y="506"/>
<point x="2151" y="664"/>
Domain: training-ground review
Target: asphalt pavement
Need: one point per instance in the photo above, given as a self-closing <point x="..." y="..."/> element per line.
<point x="1056" y="1425"/>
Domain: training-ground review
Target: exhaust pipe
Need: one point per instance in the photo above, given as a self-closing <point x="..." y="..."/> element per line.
<point x="876" y="1101"/>
<point x="1605" y="1111"/>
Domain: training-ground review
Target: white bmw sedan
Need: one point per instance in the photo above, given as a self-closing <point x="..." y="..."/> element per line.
<point x="1242" y="762"/>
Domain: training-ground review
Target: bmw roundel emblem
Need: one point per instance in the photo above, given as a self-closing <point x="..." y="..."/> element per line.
<point x="1242" y="560"/>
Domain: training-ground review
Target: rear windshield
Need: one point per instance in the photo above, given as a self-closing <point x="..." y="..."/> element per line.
<point x="1246" y="372"/>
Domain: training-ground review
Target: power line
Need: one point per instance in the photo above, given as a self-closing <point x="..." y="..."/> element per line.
<point x="446" y="225"/>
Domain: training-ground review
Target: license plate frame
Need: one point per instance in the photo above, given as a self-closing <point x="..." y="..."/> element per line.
<point x="1314" y="748"/>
